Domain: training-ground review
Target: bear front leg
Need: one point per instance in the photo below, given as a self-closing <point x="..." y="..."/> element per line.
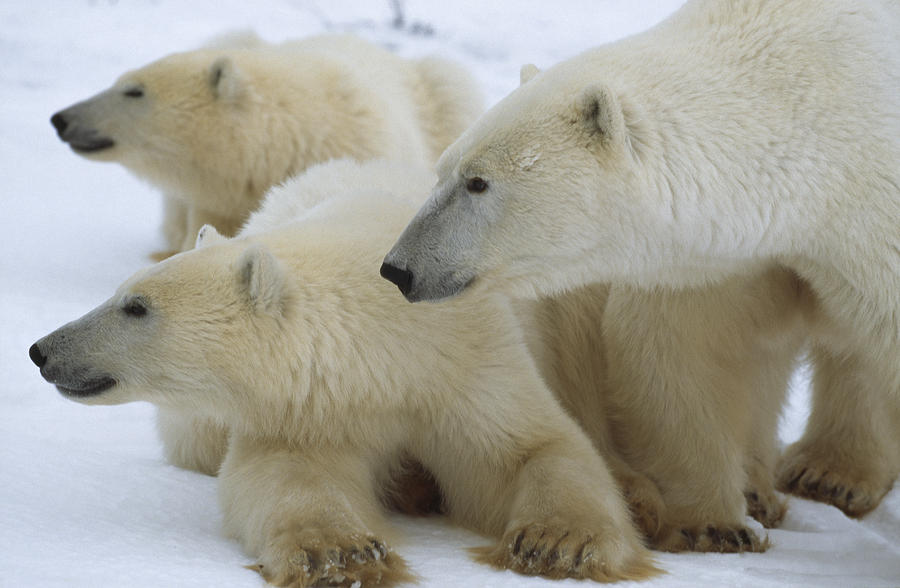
<point x="309" y="519"/>
<point x="174" y="226"/>
<point x="192" y="442"/>
<point x="567" y="520"/>
<point x="849" y="455"/>
<point x="683" y="405"/>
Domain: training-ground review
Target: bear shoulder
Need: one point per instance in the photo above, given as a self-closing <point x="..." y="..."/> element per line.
<point x="369" y="182"/>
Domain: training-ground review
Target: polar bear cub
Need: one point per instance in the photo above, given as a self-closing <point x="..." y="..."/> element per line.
<point x="326" y="382"/>
<point x="216" y="127"/>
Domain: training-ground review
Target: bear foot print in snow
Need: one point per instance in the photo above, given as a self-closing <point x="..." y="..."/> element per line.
<point x="558" y="552"/>
<point x="319" y="558"/>
<point x="715" y="539"/>
<point x="765" y="507"/>
<point x="809" y="473"/>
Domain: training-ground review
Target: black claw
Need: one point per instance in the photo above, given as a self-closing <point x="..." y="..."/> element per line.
<point x="689" y="536"/>
<point x="517" y="545"/>
<point x="579" y="556"/>
<point x="538" y="548"/>
<point x="336" y="557"/>
<point x="745" y="537"/>
<point x="793" y="483"/>
<point x="314" y="563"/>
<point x="733" y="539"/>
<point x="553" y="558"/>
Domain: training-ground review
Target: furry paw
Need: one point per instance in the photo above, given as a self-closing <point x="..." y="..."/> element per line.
<point x="855" y="487"/>
<point x="645" y="503"/>
<point x="719" y="539"/>
<point x="558" y="552"/>
<point x="321" y="558"/>
<point x="765" y="507"/>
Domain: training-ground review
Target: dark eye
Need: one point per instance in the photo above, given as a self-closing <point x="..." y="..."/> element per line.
<point x="476" y="185"/>
<point x="135" y="307"/>
<point x="134" y="92"/>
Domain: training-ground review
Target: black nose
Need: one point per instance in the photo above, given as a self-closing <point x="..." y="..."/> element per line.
<point x="59" y="122"/>
<point x="403" y="278"/>
<point x="36" y="356"/>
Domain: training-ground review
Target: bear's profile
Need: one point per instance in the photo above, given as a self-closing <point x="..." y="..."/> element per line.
<point x="325" y="383"/>
<point x="728" y="141"/>
<point x="216" y="127"/>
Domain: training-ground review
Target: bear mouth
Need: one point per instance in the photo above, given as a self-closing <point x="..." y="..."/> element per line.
<point x="89" y="388"/>
<point x="91" y="145"/>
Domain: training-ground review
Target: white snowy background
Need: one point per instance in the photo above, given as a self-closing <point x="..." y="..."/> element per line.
<point x="85" y="496"/>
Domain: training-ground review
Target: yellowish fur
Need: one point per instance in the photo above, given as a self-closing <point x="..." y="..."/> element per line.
<point x="216" y="127"/>
<point x="724" y="142"/>
<point x="327" y="382"/>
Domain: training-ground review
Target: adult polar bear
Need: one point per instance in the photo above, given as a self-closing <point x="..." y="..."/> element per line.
<point x="730" y="139"/>
<point x="216" y="127"/>
<point x="286" y="337"/>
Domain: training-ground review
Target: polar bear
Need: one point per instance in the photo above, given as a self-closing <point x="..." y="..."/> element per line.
<point x="216" y="127"/>
<point x="722" y="143"/>
<point x="325" y="383"/>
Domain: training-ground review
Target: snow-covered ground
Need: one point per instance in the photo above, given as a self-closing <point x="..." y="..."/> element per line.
<point x="85" y="496"/>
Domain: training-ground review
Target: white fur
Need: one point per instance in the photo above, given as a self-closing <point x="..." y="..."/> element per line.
<point x="326" y="382"/>
<point x="218" y="126"/>
<point x="726" y="142"/>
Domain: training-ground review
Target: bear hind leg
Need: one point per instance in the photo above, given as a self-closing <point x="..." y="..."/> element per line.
<point x="848" y="456"/>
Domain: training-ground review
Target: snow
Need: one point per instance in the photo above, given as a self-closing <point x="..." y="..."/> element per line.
<point x="87" y="498"/>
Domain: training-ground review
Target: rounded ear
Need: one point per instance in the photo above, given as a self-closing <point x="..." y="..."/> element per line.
<point x="225" y="79"/>
<point x="262" y="278"/>
<point x="208" y="235"/>
<point x="601" y="113"/>
<point x="528" y="71"/>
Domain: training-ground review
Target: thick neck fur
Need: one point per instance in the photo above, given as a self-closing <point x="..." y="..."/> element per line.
<point x="750" y="167"/>
<point x="329" y="360"/>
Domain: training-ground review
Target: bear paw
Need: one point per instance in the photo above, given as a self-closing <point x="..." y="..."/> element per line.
<point x="712" y="538"/>
<point x="645" y="503"/>
<point x="765" y="507"/>
<point x="557" y="552"/>
<point x="318" y="558"/>
<point x="810" y="471"/>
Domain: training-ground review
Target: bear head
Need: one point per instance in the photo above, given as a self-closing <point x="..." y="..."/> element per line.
<point x="180" y="122"/>
<point x="538" y="190"/>
<point x="178" y="334"/>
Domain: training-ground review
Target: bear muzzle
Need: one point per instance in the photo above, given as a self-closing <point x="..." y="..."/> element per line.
<point x="82" y="140"/>
<point x="414" y="290"/>
<point x="72" y="382"/>
<point x="402" y="278"/>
